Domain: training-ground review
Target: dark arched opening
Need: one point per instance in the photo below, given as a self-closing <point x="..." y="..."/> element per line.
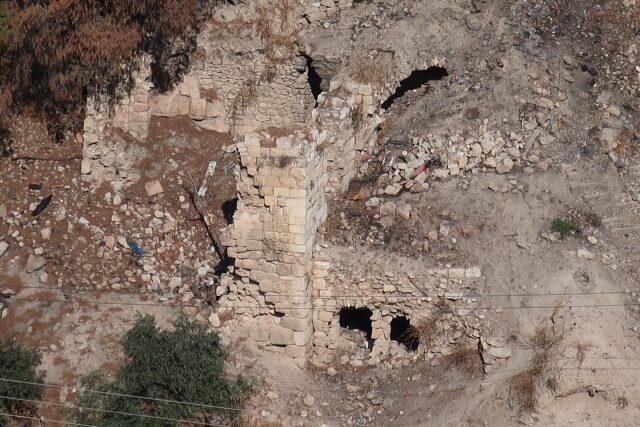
<point x="315" y="81"/>
<point x="359" y="319"/>
<point x="229" y="209"/>
<point x="416" y="80"/>
<point x="405" y="334"/>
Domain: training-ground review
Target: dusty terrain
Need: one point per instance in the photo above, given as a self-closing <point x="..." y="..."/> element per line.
<point x="521" y="68"/>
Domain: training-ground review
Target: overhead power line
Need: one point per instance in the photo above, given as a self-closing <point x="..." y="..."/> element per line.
<point x="24" y="417"/>
<point x="106" y="393"/>
<point x="385" y="295"/>
<point x="106" y="411"/>
<point x="311" y="307"/>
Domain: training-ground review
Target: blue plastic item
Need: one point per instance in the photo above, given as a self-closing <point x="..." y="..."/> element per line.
<point x="136" y="249"/>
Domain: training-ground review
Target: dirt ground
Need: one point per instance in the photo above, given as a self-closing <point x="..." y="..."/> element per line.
<point x="502" y="57"/>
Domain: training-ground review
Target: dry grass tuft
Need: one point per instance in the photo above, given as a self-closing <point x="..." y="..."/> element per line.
<point x="524" y="390"/>
<point x="581" y="350"/>
<point x="371" y="73"/>
<point x="465" y="358"/>
<point x="524" y="386"/>
<point x="545" y="338"/>
<point x="426" y="330"/>
<point x="245" y="96"/>
<point x="278" y="29"/>
<point x="210" y="94"/>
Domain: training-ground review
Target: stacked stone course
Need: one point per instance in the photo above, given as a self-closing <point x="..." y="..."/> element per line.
<point x="339" y="284"/>
<point x="281" y="204"/>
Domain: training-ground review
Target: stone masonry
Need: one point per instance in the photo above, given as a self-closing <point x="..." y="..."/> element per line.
<point x="281" y="186"/>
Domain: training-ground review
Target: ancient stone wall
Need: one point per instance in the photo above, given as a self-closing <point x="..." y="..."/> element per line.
<point x="428" y="295"/>
<point x="344" y="123"/>
<point x="318" y="10"/>
<point x="281" y="185"/>
<point x="239" y="89"/>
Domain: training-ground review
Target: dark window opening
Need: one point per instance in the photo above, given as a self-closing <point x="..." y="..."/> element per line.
<point x="224" y="264"/>
<point x="405" y="334"/>
<point x="416" y="80"/>
<point x="315" y="81"/>
<point x="359" y="319"/>
<point x="229" y="209"/>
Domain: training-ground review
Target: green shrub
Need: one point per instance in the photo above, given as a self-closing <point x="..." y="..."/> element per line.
<point x="186" y="364"/>
<point x="565" y="227"/>
<point x="20" y="365"/>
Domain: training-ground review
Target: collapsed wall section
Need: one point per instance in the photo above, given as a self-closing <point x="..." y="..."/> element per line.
<point x="344" y="125"/>
<point x="281" y="185"/>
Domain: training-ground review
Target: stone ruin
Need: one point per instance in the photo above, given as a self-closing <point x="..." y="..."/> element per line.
<point x="281" y="283"/>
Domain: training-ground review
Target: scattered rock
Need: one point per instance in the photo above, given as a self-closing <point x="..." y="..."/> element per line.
<point x="585" y="254"/>
<point x="388" y="209"/>
<point x="214" y="319"/>
<point x="153" y="188"/>
<point x="309" y="400"/>
<point x="372" y="202"/>
<point x="4" y="246"/>
<point x="35" y="263"/>
<point x="85" y="167"/>
<point x="403" y="211"/>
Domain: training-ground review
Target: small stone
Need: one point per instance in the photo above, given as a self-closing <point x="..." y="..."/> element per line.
<point x="214" y="319"/>
<point x="4" y="246"/>
<point x="372" y="202"/>
<point x="526" y="419"/>
<point x="393" y="189"/>
<point x="35" y="263"/>
<point x="592" y="240"/>
<point x="332" y="371"/>
<point x="85" y="167"/>
<point x="505" y="166"/>
<point x="153" y="188"/>
<point x="45" y="233"/>
<point x="445" y="228"/>
<point x="403" y="211"/>
<point x="110" y="242"/>
<point x="38" y="251"/>
<point x="585" y="254"/>
<point x="388" y="209"/>
<point x="273" y="395"/>
<point x="309" y="400"/>
<point x="53" y="347"/>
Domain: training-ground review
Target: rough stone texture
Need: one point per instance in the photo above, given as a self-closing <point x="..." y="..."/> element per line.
<point x="318" y="11"/>
<point x="343" y="123"/>
<point x="281" y="185"/>
<point x="388" y="294"/>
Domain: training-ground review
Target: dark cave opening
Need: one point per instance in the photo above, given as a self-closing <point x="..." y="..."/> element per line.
<point x="229" y="209"/>
<point x="405" y="334"/>
<point x="315" y="81"/>
<point x="416" y="80"/>
<point x="359" y="319"/>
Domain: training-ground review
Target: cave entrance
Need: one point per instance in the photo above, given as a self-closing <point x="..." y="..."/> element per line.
<point x="229" y="209"/>
<point x="403" y="333"/>
<point x="358" y="319"/>
<point x="416" y="80"/>
<point x="315" y="81"/>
